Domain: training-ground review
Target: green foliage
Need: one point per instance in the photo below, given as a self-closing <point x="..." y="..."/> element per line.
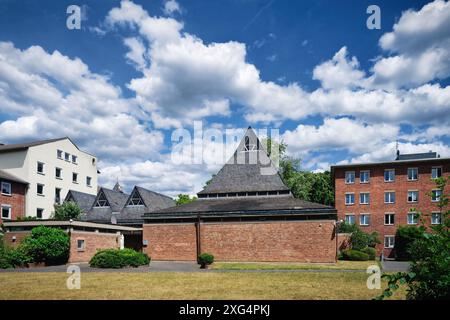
<point x="429" y="276"/>
<point x="12" y="257"/>
<point x="404" y="237"/>
<point x="184" y="199"/>
<point x="360" y="240"/>
<point x="371" y="252"/>
<point x="205" y="259"/>
<point x="355" y="255"/>
<point x="116" y="259"/>
<point x="66" y="211"/>
<point x="48" y="245"/>
<point x="345" y="227"/>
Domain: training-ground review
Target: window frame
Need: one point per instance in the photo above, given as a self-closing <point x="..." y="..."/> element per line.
<point x="364" y="193"/>
<point x="415" y="218"/>
<point x="417" y="173"/>
<point x="60" y="173"/>
<point x="384" y="175"/>
<point x="436" y="167"/>
<point x="9" y="207"/>
<point x="354" y="177"/>
<point x="37" y="168"/>
<point x="390" y="198"/>
<point x="58" y="155"/>
<point x="433" y="193"/>
<point x="349" y="193"/>
<point x="10" y="188"/>
<point x="390" y="246"/>
<point x="75" y="174"/>
<point x="37" y="189"/>
<point x="361" y="174"/>
<point x="72" y="159"/>
<point x="42" y="213"/>
<point x="366" y="215"/>
<point x="417" y="197"/>
<point x="391" y="221"/>
<point x="83" y="247"/>
<point x="67" y="156"/>
<point x="350" y="215"/>
<point x="88" y="181"/>
<point x="440" y="218"/>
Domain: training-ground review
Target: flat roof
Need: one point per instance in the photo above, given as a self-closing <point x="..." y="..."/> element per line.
<point x="389" y="162"/>
<point x="36" y="223"/>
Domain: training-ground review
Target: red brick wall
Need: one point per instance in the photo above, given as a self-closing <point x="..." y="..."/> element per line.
<point x="8" y="238"/>
<point x="377" y="208"/>
<point x="93" y="242"/>
<point x="305" y="241"/>
<point x="175" y="242"/>
<point x="16" y="200"/>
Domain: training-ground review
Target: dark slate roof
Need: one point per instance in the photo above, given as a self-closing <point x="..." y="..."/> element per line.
<point x="275" y="205"/>
<point x="84" y="200"/>
<point x="22" y="146"/>
<point x="417" y="156"/>
<point x="247" y="171"/>
<point x="10" y="177"/>
<point x="117" y="200"/>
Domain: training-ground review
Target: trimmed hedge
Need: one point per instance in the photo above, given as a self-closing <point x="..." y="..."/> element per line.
<point x="205" y="259"/>
<point x="371" y="252"/>
<point x="355" y="255"/>
<point x="116" y="259"/>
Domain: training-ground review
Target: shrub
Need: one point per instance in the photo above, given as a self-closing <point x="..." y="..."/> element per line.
<point x="10" y="257"/>
<point x="205" y="259"/>
<point x="371" y="252"/>
<point x="355" y="255"/>
<point x="66" y="211"/>
<point x="404" y="237"/>
<point x="48" y="245"/>
<point x="360" y="240"/>
<point x="346" y="227"/>
<point x="116" y="259"/>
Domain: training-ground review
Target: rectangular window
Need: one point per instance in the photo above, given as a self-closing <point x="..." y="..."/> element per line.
<point x="67" y="156"/>
<point x="413" y="196"/>
<point x="412" y="218"/>
<point x="350" y="218"/>
<point x="389" y="197"/>
<point x="75" y="177"/>
<point x="6" y="211"/>
<point x="436" y="218"/>
<point x="389" y="175"/>
<point x="436" y="172"/>
<point x="58" y="195"/>
<point x="40" y="168"/>
<point x="389" y="219"/>
<point x="58" y="173"/>
<point x="74" y="159"/>
<point x="413" y="174"/>
<point x="349" y="198"/>
<point x="364" y="198"/>
<point x="389" y="242"/>
<point x="364" y="176"/>
<point x="39" y="213"/>
<point x="80" y="244"/>
<point x="40" y="189"/>
<point x="59" y="154"/>
<point x="350" y="177"/>
<point x="364" y="219"/>
<point x="88" y="181"/>
<point x="436" y="195"/>
<point x="6" y="188"/>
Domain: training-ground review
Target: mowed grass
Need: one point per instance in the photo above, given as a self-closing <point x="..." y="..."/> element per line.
<point x="339" y="265"/>
<point x="210" y="286"/>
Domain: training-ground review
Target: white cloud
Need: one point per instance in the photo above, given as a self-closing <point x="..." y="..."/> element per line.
<point x="171" y="6"/>
<point x="136" y="55"/>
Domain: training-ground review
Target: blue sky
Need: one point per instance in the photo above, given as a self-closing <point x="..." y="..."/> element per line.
<point x="136" y="71"/>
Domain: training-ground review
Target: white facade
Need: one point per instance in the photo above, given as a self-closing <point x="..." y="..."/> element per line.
<point x="61" y="155"/>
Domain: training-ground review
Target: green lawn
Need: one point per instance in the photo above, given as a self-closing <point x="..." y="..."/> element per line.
<point x="162" y="285"/>
<point x="340" y="265"/>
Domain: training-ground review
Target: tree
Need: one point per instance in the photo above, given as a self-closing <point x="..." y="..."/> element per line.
<point x="184" y="199"/>
<point x="429" y="276"/>
<point x="67" y="211"/>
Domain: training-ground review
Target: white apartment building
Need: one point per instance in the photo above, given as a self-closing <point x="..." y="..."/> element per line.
<point x="52" y="168"/>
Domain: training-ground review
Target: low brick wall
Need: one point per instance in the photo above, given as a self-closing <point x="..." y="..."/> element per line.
<point x="92" y="243"/>
<point x="8" y="238"/>
<point x="275" y="241"/>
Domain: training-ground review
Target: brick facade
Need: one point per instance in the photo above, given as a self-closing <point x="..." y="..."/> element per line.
<point x="16" y="200"/>
<point x="276" y="241"/>
<point x="377" y="208"/>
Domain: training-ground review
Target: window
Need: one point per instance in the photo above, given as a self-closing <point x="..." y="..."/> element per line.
<point x="389" y="197"/>
<point x="80" y="244"/>
<point x="88" y="181"/>
<point x="58" y="173"/>
<point x="40" y="168"/>
<point x="413" y="196"/>
<point x="6" y="211"/>
<point x="74" y="159"/>
<point x="40" y="189"/>
<point x="59" y="154"/>
<point x="364" y="219"/>
<point x="364" y="198"/>
<point x="436" y="195"/>
<point x="389" y="242"/>
<point x="102" y="201"/>
<point x="75" y="177"/>
<point x="350" y="218"/>
<point x="412" y="218"/>
<point x="350" y="177"/>
<point x="389" y="175"/>
<point x="39" y="213"/>
<point x="436" y="172"/>
<point x="67" y="156"/>
<point x="436" y="218"/>
<point x="413" y="174"/>
<point x="389" y="219"/>
<point x="135" y="199"/>
<point x="349" y="198"/>
<point x="364" y="176"/>
<point x="6" y="188"/>
<point x="57" y="195"/>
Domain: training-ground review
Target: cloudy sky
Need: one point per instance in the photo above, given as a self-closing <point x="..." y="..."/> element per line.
<point x="136" y="71"/>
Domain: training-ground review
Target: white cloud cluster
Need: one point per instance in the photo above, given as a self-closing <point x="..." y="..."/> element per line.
<point x="171" y="6"/>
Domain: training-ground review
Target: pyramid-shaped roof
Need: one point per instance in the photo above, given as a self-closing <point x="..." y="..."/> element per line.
<point x="248" y="170"/>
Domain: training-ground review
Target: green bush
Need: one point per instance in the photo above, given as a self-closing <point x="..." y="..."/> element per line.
<point x="116" y="259"/>
<point x="404" y="238"/>
<point x="345" y="227"/>
<point x="371" y="252"/>
<point x="360" y="240"/>
<point x="355" y="255"/>
<point x="48" y="245"/>
<point x="66" y="211"/>
<point x="205" y="259"/>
